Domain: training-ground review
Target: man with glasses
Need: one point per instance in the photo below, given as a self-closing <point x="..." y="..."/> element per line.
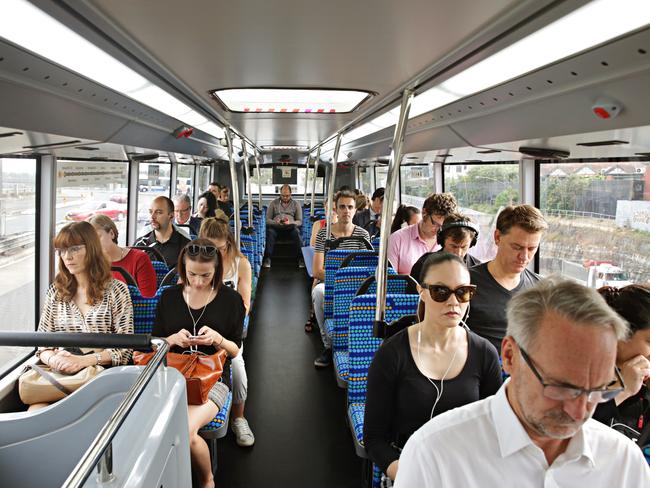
<point x="183" y="213"/>
<point x="164" y="237"/>
<point x="560" y="352"/>
<point x="407" y="245"/>
<point x="517" y="235"/>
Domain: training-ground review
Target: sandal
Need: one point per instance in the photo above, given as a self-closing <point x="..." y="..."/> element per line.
<point x="309" y="325"/>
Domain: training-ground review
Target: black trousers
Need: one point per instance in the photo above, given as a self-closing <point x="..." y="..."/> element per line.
<point x="272" y="234"/>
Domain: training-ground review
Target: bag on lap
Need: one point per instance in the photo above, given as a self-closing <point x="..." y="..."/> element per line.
<point x="39" y="384"/>
<point x="201" y="371"/>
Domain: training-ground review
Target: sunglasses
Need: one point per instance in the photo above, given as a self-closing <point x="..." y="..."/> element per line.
<point x="441" y="293"/>
<point x="195" y="250"/>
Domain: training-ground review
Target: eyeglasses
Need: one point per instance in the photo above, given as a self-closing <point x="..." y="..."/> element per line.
<point x="568" y="393"/>
<point x="72" y="250"/>
<point x="195" y="250"/>
<point x="182" y="210"/>
<point x="441" y="293"/>
<point x="435" y="224"/>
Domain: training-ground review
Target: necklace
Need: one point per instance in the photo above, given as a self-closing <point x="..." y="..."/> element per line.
<point x="194" y="322"/>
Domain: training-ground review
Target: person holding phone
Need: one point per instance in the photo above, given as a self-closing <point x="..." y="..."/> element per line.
<point x="201" y="314"/>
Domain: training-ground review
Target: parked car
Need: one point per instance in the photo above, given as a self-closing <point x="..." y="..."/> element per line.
<point x="114" y="210"/>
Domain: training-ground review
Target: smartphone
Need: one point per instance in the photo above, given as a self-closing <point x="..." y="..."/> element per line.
<point x="195" y="337"/>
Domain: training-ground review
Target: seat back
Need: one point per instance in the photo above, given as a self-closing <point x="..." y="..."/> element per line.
<point x="361" y="258"/>
<point x="171" y="278"/>
<point x="144" y="310"/>
<point x="153" y="253"/>
<point x="124" y="274"/>
<point x="362" y="344"/>
<point x="161" y="270"/>
<point x="333" y="260"/>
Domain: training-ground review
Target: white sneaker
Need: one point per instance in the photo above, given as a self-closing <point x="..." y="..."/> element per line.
<point x="243" y="434"/>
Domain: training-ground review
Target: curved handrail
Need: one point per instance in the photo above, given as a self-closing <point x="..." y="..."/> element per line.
<point x="94" y="454"/>
<point x="75" y="339"/>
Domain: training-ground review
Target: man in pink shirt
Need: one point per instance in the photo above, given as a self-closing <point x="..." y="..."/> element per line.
<point x="407" y="245"/>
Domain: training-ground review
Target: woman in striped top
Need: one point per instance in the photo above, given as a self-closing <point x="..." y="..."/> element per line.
<point x="84" y="298"/>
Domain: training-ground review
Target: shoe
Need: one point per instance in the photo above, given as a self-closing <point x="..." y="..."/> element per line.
<point x="266" y="263"/>
<point x="301" y="263"/>
<point x="243" y="434"/>
<point x="325" y="359"/>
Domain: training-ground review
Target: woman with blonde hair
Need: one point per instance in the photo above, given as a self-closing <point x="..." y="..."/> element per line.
<point x="238" y="276"/>
<point x="133" y="261"/>
<point x="84" y="298"/>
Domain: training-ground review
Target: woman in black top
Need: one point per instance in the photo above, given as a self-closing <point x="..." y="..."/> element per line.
<point x="200" y="313"/>
<point x="629" y="412"/>
<point x="428" y="368"/>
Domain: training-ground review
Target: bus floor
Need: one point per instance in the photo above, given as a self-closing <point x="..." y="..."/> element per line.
<point x="296" y="412"/>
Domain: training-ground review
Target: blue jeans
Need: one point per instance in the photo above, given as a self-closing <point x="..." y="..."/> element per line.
<point x="272" y="233"/>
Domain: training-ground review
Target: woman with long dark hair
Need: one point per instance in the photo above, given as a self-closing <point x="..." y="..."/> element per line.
<point x="206" y="205"/>
<point x="201" y="314"/>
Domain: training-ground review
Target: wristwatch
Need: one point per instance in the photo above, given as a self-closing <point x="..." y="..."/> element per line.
<point x="98" y="357"/>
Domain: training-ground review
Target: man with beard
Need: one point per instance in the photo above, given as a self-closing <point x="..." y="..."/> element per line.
<point x="164" y="237"/>
<point x="560" y="352"/>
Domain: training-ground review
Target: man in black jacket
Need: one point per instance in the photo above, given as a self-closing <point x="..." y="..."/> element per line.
<point x="370" y="219"/>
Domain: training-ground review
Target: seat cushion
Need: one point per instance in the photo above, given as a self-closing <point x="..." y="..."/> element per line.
<point x="341" y="364"/>
<point x="221" y="417"/>
<point x="356" y="413"/>
<point x="329" y="327"/>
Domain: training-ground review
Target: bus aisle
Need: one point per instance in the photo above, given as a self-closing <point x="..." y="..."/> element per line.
<point x="296" y="412"/>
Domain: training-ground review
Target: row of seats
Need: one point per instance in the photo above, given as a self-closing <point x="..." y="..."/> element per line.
<point x="308" y="221"/>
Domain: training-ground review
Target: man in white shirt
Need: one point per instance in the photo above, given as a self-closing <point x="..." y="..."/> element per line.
<point x="537" y="431"/>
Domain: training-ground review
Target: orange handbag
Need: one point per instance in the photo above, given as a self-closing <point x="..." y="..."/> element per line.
<point x="201" y="371"/>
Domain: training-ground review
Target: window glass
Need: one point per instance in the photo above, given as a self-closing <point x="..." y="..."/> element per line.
<point x="268" y="188"/>
<point x="365" y="180"/>
<point x="87" y="188"/>
<point x="153" y="181"/>
<point x="482" y="190"/>
<point x="204" y="179"/>
<point x="416" y="184"/>
<point x="17" y="252"/>
<point x="381" y="176"/>
<point x="185" y="179"/>
<point x="599" y="222"/>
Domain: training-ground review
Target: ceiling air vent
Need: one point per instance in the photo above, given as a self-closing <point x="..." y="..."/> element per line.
<point x="473" y="160"/>
<point x="643" y="154"/>
<point x="602" y="143"/>
<point x="447" y="155"/>
<point x="10" y="134"/>
<point x="544" y="152"/>
<point x="87" y="148"/>
<point x="489" y="151"/>
<point x="144" y="157"/>
<point x="53" y="144"/>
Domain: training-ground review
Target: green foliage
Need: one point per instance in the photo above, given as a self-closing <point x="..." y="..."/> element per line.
<point x="563" y="193"/>
<point x="486" y="188"/>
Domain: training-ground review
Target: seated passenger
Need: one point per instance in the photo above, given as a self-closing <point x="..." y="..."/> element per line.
<point x="518" y="232"/>
<point x="629" y="412"/>
<point x="405" y="216"/>
<point x="407" y="245"/>
<point x="321" y="224"/>
<point x="430" y="367"/>
<point x="238" y="276"/>
<point x="133" y="261"/>
<point x="200" y="313"/>
<point x="560" y="352"/>
<point x="206" y="206"/>
<point x="345" y="207"/>
<point x="370" y="219"/>
<point x="183" y="213"/>
<point x="362" y="202"/>
<point x="456" y="236"/>
<point x="84" y="298"/>
<point x="215" y="189"/>
<point x="283" y="217"/>
<point x="164" y="237"/>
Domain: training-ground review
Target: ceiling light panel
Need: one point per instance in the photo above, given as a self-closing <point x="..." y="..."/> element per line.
<point x="24" y="24"/>
<point x="282" y="100"/>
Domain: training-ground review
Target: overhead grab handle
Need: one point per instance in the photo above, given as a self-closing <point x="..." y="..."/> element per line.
<point x="75" y="339"/>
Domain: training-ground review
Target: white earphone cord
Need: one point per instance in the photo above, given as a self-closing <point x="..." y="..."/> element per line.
<point x="442" y="381"/>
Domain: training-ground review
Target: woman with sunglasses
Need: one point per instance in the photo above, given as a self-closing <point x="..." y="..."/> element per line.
<point x="84" y="298"/>
<point x="629" y="412"/>
<point x="238" y="276"/>
<point x="428" y="368"/>
<point x="201" y="314"/>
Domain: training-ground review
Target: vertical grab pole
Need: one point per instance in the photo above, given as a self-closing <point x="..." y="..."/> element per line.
<point x="313" y="182"/>
<point x="304" y="198"/>
<point x="235" y="188"/>
<point x="330" y="190"/>
<point x="247" y="172"/>
<point x="259" y="179"/>
<point x="387" y="211"/>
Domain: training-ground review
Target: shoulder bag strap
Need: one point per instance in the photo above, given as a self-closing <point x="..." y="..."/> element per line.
<point x="51" y="379"/>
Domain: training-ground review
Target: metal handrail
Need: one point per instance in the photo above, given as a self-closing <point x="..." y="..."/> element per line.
<point x="102" y="442"/>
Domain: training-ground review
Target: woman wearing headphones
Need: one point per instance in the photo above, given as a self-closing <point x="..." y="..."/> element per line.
<point x="456" y="236"/>
<point x="428" y="368"/>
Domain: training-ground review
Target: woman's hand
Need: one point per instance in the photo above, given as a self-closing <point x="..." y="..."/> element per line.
<point x="180" y="339"/>
<point x="634" y="371"/>
<point x="67" y="363"/>
<point x="208" y="337"/>
<point x="391" y="471"/>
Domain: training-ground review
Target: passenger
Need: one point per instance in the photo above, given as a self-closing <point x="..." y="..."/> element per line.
<point x="362" y="202"/>
<point x="283" y="217"/>
<point x="345" y="207"/>
<point x="201" y="312"/>
<point x="456" y="236"/>
<point x="321" y="224"/>
<point x="183" y="213"/>
<point x="206" y="205"/>
<point x="629" y="412"/>
<point x="430" y="367"/>
<point x="84" y="298"/>
<point x="405" y="216"/>
<point x="518" y="232"/>
<point x="370" y="219"/>
<point x="406" y="245"/>
<point x="164" y="237"/>
<point x="238" y="276"/>
<point x="560" y="352"/>
<point x="223" y="201"/>
<point x="133" y="261"/>
<point x="215" y="189"/>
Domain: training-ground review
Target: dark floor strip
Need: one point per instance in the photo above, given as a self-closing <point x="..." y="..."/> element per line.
<point x="296" y="412"/>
